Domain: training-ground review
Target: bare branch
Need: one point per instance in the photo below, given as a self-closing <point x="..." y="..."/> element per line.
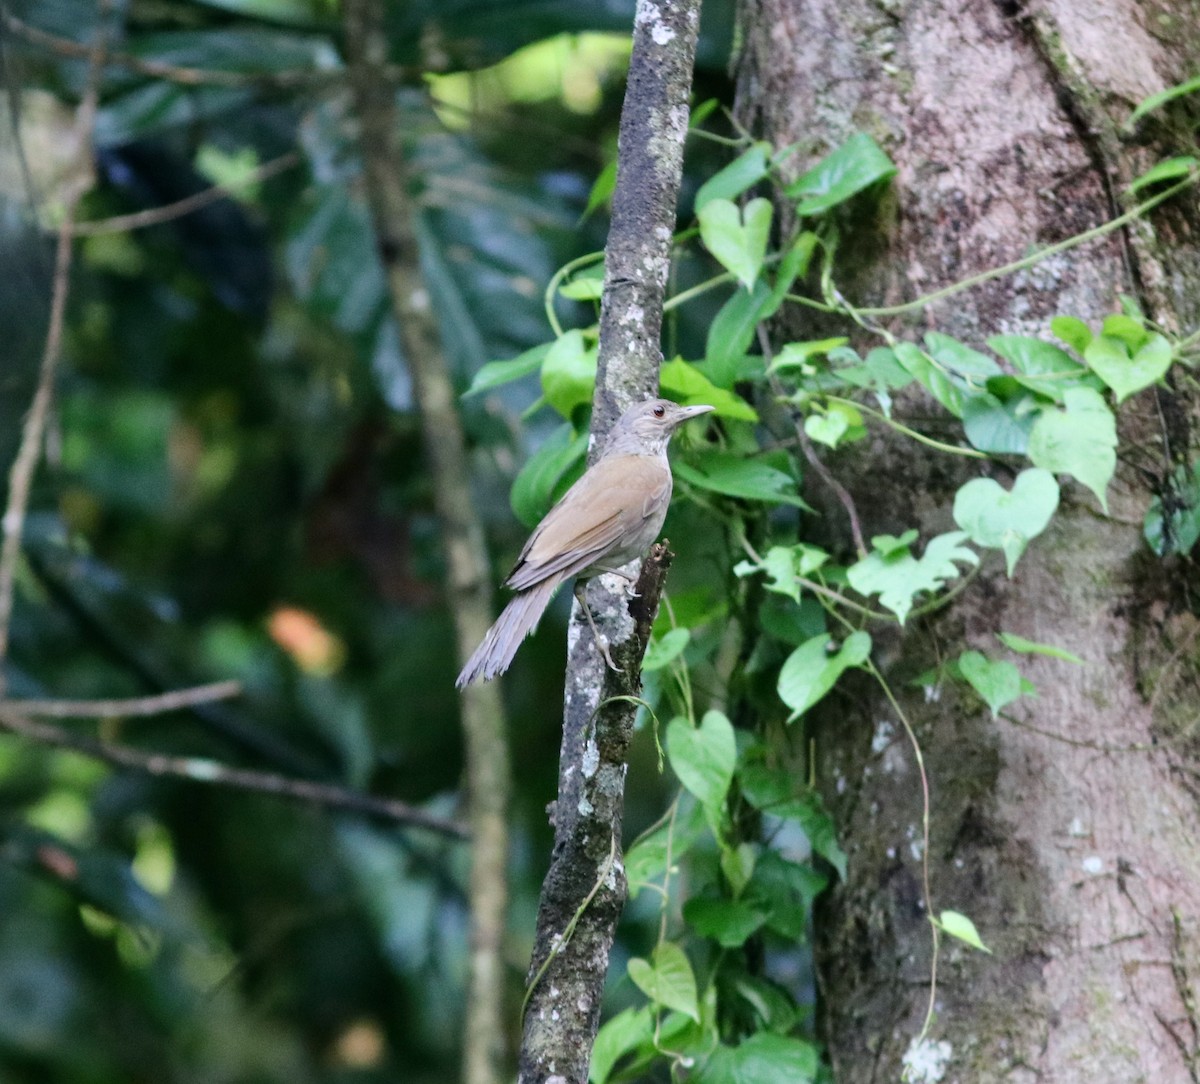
<point x="138" y="705"/>
<point x="157" y="215"/>
<point x="20" y="479"/>
<point x="214" y="773"/>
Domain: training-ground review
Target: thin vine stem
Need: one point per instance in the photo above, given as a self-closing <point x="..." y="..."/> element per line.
<point x="1096" y="232"/>
<point x="926" y="890"/>
<point x="900" y="427"/>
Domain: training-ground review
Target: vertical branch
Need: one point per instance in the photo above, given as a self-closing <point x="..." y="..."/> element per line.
<point x="469" y="578"/>
<point x="33" y="431"/>
<point x="584" y="890"/>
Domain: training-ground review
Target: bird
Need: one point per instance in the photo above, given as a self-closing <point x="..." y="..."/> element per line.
<point x="606" y="519"/>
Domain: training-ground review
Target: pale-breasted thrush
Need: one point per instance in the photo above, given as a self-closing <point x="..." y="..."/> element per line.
<point x="606" y="519"/>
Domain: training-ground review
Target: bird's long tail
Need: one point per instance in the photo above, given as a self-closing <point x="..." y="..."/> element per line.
<point x="500" y="643"/>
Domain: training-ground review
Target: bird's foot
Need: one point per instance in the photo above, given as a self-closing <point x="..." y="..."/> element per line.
<point x="602" y="644"/>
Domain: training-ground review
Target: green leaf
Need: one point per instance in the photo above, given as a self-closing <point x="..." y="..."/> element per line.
<point x="1176" y="530"/>
<point x="996" y="681"/>
<point x="793" y="265"/>
<point x="899" y="577"/>
<point x="855" y="165"/>
<point x="1109" y="358"/>
<point x="1130" y="328"/>
<point x="549" y="469"/>
<point x="732" y="331"/>
<point x="1042" y="366"/>
<point x="1004" y="520"/>
<point x="1169" y="170"/>
<point x="1073" y="331"/>
<point x="786" y="891"/>
<point x="996" y="426"/>
<point x="811" y="670"/>
<point x="737" y="864"/>
<point x="745" y="171"/>
<point x="602" y="190"/>
<point x="688" y="385"/>
<point x="569" y="373"/>
<point x="764" y="1058"/>
<point x="668" y="981"/>
<point x="728" y="922"/>
<point x="588" y="285"/>
<point x="1161" y="98"/>
<point x="703" y="757"/>
<point x="959" y="357"/>
<point x="958" y="925"/>
<point x="776" y="792"/>
<point x="1030" y="647"/>
<point x="737" y="238"/>
<point x="616" y="1038"/>
<point x="1080" y="440"/>
<point x="913" y="358"/>
<point x="800" y="355"/>
<point x="496" y="373"/>
<point x="664" y="649"/>
<point x="724" y="472"/>
<point x="783" y="564"/>
<point x="826" y="429"/>
<point x="888" y="544"/>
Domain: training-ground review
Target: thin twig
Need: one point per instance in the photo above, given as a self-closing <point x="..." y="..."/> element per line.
<point x="20" y="479"/>
<point x="214" y="773"/>
<point x="810" y="453"/>
<point x="138" y="705"/>
<point x="155" y="216"/>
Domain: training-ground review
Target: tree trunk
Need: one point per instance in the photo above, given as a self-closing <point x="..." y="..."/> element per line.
<point x="1068" y="833"/>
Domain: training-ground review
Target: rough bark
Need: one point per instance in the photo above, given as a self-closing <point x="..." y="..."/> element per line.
<point x="468" y="571"/>
<point x="1068" y="834"/>
<point x="584" y="890"/>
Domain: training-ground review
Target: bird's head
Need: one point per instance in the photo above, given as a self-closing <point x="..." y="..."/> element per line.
<point x="645" y="428"/>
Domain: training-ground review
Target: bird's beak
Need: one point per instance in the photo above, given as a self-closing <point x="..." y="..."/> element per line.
<point x="693" y="411"/>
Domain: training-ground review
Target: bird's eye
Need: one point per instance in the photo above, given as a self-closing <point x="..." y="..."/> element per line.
<point x="659" y="411"/>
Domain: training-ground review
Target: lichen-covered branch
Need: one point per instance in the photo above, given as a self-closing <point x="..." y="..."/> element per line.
<point x="467" y="568"/>
<point x="563" y="1008"/>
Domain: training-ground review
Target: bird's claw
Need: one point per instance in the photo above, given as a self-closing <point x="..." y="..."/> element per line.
<point x="602" y="644"/>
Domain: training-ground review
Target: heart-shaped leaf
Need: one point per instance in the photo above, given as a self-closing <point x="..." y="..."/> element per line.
<point x="569" y="373"/>
<point x="738" y="239"/>
<point x="668" y="981"/>
<point x="997" y="682"/>
<point x="811" y="671"/>
<point x="1110" y="360"/>
<point x="703" y="757"/>
<point x="1080" y="440"/>
<point x="1004" y="520"/>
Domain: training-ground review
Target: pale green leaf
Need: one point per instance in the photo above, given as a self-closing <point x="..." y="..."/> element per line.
<point x="737" y="238"/>
<point x="1007" y="520"/>
<point x="1031" y="647"/>
<point x="997" y="682"/>
<point x="958" y="925"/>
<point x="813" y="669"/>
<point x="855" y="165"/>
<point x="1109" y="358"/>
<point x="1080" y="440"/>
<point x="668" y="980"/>
<point x="703" y="757"/>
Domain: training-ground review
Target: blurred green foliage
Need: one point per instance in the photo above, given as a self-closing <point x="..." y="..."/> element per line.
<point x="234" y="487"/>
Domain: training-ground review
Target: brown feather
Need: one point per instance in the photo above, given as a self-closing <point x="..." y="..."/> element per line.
<point x="594" y="520"/>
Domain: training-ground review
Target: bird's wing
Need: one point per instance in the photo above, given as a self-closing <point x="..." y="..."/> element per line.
<point x="610" y="503"/>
